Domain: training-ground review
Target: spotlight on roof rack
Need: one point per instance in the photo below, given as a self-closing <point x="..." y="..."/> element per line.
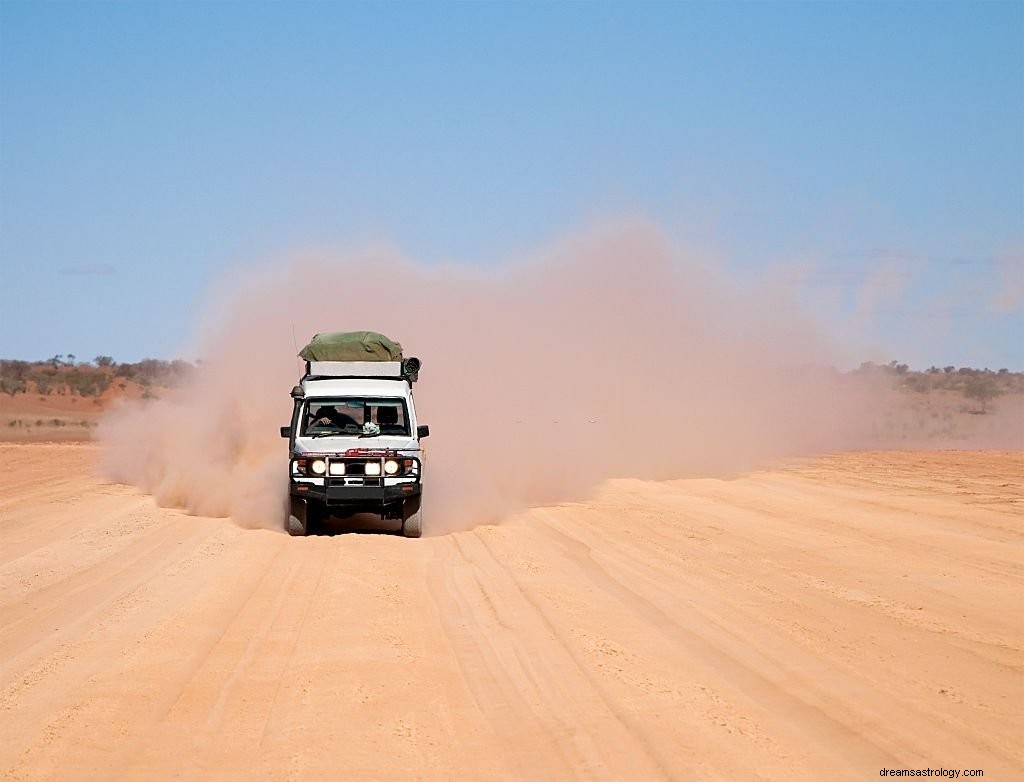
<point x="411" y="369"/>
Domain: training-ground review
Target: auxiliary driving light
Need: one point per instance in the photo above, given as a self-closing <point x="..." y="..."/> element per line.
<point x="373" y="468"/>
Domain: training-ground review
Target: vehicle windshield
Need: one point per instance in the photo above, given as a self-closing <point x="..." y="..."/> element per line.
<point x="355" y="417"/>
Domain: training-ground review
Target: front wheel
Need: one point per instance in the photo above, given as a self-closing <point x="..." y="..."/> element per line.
<point x="298" y="521"/>
<point x="412" y="526"/>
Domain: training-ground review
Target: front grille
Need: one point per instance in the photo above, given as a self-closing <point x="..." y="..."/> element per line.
<point x="356" y="481"/>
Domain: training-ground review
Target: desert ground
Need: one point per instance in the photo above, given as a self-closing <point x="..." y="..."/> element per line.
<point x="825" y="619"/>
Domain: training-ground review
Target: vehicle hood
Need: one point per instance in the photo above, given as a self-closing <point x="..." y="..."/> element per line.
<point x="334" y="445"/>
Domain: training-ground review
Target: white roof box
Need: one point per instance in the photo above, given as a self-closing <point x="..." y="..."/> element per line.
<point x="391" y="369"/>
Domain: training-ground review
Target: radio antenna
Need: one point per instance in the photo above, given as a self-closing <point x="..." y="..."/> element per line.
<point x="295" y="342"/>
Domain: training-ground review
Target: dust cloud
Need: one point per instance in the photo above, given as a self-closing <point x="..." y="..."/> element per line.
<point x="609" y="354"/>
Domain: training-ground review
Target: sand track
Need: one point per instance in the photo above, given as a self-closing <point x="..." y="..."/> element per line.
<point x="830" y="619"/>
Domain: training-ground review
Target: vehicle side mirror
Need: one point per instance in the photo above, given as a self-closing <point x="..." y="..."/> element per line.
<point x="422" y="431"/>
<point x="286" y="431"/>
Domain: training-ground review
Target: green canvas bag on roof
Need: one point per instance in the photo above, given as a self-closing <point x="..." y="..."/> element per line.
<point x="351" y="346"/>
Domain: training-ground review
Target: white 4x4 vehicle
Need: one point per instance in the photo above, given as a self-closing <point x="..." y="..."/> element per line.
<point x="354" y="444"/>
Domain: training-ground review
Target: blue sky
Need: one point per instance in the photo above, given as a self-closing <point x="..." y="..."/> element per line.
<point x="869" y="155"/>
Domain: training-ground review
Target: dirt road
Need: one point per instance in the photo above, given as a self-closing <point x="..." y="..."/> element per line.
<point x="828" y="620"/>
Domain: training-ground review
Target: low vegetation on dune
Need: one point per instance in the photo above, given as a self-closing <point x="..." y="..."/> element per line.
<point x="979" y="386"/>
<point x="62" y="398"/>
<point x="64" y="376"/>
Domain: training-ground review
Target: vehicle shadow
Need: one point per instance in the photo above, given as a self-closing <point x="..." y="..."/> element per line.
<point x="358" y="523"/>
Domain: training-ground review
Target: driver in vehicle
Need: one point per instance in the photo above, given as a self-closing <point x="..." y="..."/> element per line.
<point x="328" y="415"/>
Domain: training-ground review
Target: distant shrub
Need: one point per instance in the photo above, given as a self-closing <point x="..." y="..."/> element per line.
<point x="982" y="388"/>
<point x="12" y="385"/>
<point x="918" y="382"/>
<point x="164" y="374"/>
<point x="87" y="382"/>
<point x="14" y="377"/>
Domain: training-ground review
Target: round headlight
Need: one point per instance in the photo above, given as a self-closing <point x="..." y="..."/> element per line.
<point x="390" y="466"/>
<point x="373" y="468"/>
<point x="318" y="467"/>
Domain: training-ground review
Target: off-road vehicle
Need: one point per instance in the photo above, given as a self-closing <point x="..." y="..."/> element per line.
<point x="354" y="439"/>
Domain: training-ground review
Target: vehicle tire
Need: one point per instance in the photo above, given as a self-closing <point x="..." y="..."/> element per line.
<point x="297" y="523"/>
<point x="412" y="526"/>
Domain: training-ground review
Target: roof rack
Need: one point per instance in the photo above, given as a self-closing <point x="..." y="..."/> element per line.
<point x="407" y="370"/>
